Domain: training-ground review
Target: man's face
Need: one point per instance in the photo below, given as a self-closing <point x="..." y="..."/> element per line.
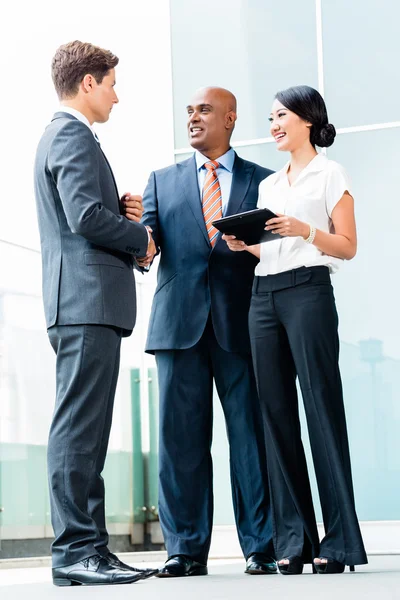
<point x="210" y="121"/>
<point x="103" y="97"/>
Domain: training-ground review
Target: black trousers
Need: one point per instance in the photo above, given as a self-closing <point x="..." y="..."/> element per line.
<point x="185" y="380"/>
<point x="87" y="372"/>
<point x="293" y="330"/>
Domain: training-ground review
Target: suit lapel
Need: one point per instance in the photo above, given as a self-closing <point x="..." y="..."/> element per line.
<point x="187" y="173"/>
<point x="112" y="175"/>
<point x="63" y="115"/>
<point x="241" y="179"/>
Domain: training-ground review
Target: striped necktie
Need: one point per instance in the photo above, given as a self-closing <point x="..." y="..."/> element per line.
<point x="211" y="200"/>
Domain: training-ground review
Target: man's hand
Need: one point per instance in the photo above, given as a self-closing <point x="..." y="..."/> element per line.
<point x="133" y="207"/>
<point x="151" y="251"/>
<point x="234" y="244"/>
<point x="238" y="246"/>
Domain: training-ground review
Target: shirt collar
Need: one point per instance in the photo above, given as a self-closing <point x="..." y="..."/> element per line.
<point x="226" y="160"/>
<point x="318" y="163"/>
<point x="78" y="115"/>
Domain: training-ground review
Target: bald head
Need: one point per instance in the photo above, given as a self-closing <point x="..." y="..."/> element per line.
<point x="211" y="120"/>
<point x="218" y="95"/>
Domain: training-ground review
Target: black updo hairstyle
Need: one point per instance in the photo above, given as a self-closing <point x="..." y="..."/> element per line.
<point x="309" y="105"/>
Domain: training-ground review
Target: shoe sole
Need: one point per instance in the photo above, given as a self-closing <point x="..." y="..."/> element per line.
<point x="142" y="574"/>
<point x="193" y="573"/>
<point x="259" y="572"/>
<point x="71" y="582"/>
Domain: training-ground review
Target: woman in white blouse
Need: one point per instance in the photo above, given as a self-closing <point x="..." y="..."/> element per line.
<point x="293" y="330"/>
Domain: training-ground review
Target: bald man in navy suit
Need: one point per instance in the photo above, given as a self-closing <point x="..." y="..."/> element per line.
<point x="199" y="334"/>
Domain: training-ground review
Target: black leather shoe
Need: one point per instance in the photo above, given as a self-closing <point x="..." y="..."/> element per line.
<point x="260" y="564"/>
<point x="94" y="570"/>
<point x="114" y="561"/>
<point x="179" y="566"/>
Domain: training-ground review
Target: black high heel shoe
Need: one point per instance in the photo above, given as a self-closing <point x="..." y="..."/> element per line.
<point x="331" y="566"/>
<point x="294" y="567"/>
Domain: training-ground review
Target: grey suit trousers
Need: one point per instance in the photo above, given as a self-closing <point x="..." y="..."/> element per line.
<point x="87" y="373"/>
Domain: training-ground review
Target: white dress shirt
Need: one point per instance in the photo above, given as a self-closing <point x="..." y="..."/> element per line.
<point x="224" y="174"/>
<point x="311" y="198"/>
<point x="78" y="115"/>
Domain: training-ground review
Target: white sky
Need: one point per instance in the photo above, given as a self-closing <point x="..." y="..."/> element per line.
<point x="137" y="139"/>
<point x="139" y="136"/>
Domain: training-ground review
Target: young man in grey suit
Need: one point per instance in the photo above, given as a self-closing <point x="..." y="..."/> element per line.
<point x="198" y="332"/>
<point x="88" y="253"/>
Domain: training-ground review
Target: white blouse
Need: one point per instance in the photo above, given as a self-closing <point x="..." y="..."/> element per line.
<point x="311" y="198"/>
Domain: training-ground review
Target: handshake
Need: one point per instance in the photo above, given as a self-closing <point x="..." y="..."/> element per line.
<point x="133" y="210"/>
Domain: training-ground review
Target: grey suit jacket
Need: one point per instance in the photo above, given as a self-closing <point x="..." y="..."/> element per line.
<point x="88" y="247"/>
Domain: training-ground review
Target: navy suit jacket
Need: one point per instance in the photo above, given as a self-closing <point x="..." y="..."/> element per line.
<point x="194" y="278"/>
<point x="88" y="247"/>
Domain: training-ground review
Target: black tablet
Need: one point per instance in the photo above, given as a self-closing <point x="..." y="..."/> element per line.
<point x="248" y="226"/>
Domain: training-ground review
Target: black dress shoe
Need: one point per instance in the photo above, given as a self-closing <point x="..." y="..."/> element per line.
<point x="180" y="565"/>
<point x="114" y="561"/>
<point x="260" y="564"/>
<point x="94" y="570"/>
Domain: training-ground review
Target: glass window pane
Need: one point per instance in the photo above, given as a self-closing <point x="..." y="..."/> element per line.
<point x="367" y="293"/>
<point x="252" y="48"/>
<point x="361" y="47"/>
<point x="265" y="155"/>
<point x="183" y="156"/>
<point x="367" y="290"/>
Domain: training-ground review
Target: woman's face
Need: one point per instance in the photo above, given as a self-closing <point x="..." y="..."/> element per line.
<point x="288" y="129"/>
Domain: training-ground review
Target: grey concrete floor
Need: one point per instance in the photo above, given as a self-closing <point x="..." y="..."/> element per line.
<point x="379" y="580"/>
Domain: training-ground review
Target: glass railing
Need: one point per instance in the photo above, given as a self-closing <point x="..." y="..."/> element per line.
<point x="27" y="390"/>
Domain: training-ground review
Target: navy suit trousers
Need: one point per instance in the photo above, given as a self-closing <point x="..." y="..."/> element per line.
<point x="186" y="414"/>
